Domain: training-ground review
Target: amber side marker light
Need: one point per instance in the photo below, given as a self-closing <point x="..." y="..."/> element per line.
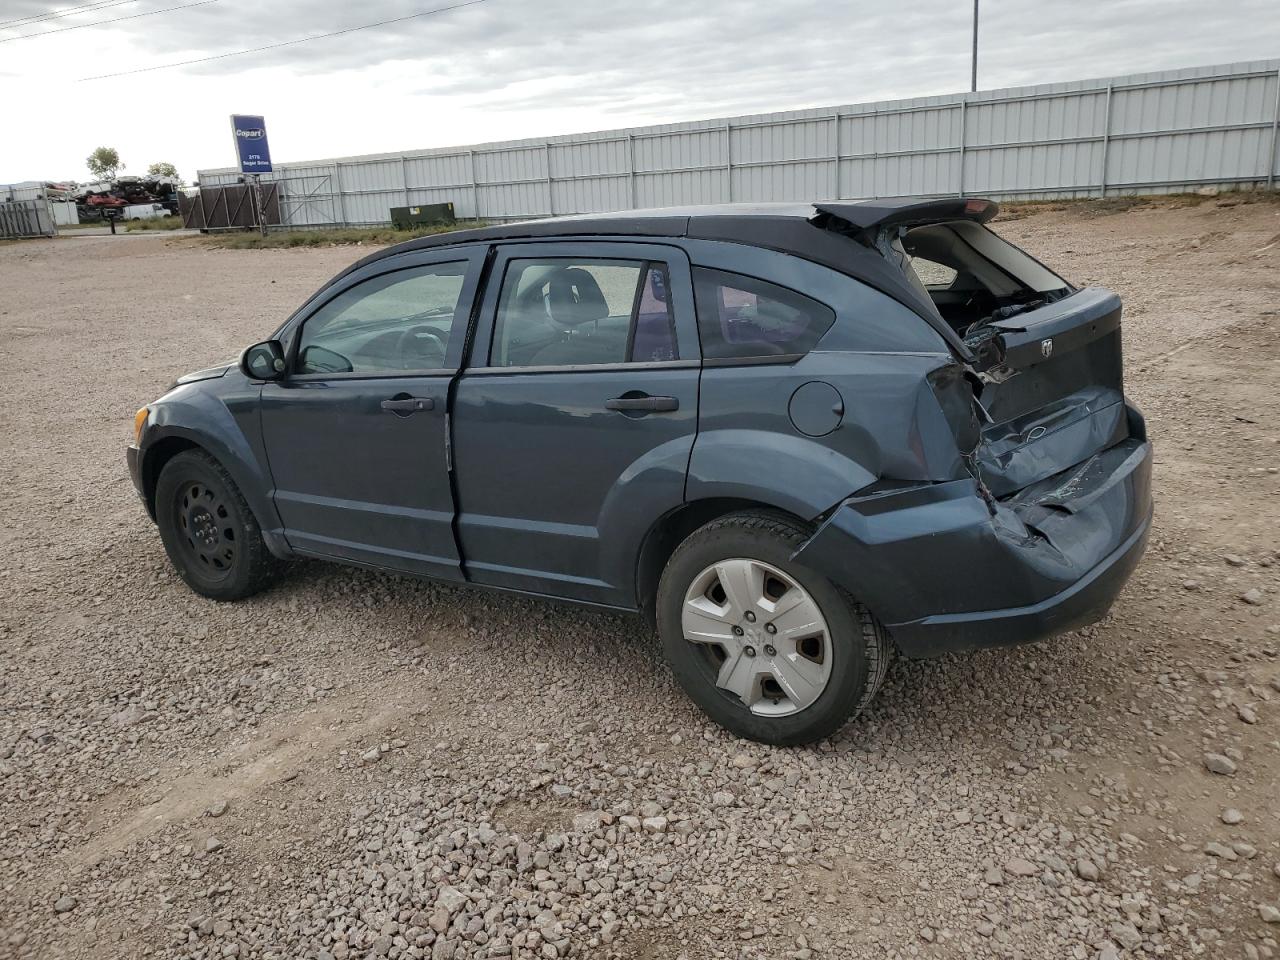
<point x="140" y="421"/>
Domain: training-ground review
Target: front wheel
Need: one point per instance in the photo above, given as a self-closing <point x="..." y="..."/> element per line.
<point x="769" y="649"/>
<point x="208" y="530"/>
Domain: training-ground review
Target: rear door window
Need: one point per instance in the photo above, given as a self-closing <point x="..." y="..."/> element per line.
<point x="653" y="334"/>
<point x="560" y="311"/>
<point x="745" y="318"/>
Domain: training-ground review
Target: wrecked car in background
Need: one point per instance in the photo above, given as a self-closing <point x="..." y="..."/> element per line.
<point x="800" y="437"/>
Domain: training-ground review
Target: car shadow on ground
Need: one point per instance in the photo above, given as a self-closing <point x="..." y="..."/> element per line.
<point x="1009" y="696"/>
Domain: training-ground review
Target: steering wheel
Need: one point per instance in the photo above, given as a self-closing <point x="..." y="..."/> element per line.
<point x="415" y="338"/>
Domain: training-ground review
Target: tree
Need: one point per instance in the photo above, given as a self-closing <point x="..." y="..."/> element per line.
<point x="163" y="170"/>
<point x="104" y="163"/>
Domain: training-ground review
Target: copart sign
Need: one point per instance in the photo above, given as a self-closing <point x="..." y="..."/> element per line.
<point x="250" y="134"/>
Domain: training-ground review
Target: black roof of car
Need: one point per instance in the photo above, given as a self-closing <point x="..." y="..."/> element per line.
<point x="826" y="233"/>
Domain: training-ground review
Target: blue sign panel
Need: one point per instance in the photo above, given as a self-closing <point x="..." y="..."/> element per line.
<point x="251" y="143"/>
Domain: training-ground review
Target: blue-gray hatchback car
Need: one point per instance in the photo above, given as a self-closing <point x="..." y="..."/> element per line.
<point x="799" y="437"/>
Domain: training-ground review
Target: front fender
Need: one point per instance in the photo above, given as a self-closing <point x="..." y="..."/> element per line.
<point x="789" y="472"/>
<point x="226" y="425"/>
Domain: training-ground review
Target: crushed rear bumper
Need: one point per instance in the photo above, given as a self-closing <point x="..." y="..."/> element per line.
<point x="943" y="574"/>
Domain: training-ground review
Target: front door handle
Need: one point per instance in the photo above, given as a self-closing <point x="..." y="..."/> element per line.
<point x="408" y="404"/>
<point x="643" y="403"/>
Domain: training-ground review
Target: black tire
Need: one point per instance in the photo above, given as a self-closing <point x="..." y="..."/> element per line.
<point x="210" y="534"/>
<point x="859" y="646"/>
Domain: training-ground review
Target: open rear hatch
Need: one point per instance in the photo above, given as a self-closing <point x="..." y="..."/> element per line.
<point x="1046" y="356"/>
<point x="1053" y="389"/>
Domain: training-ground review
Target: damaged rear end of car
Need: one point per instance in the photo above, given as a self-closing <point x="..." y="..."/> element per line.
<point x="1038" y="532"/>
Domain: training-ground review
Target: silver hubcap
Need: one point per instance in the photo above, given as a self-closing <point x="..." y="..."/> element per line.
<point x="763" y="634"/>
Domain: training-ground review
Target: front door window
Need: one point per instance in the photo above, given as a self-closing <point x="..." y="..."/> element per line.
<point x="391" y="324"/>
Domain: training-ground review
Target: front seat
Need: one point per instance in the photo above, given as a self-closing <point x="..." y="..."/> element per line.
<point x="573" y="298"/>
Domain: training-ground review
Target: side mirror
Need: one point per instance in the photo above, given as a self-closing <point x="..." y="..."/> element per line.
<point x="263" y="361"/>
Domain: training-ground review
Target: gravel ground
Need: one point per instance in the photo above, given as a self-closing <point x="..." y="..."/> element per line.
<point x="356" y="765"/>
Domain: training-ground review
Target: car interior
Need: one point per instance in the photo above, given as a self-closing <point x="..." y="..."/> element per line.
<point x="397" y="321"/>
<point x="973" y="277"/>
<point x="766" y="324"/>
<point x="414" y="342"/>
<point x="557" y="314"/>
<point x="742" y="316"/>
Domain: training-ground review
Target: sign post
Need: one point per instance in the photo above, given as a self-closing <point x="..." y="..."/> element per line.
<point x="253" y="153"/>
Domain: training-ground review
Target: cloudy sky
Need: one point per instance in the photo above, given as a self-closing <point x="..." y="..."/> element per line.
<point x="502" y="69"/>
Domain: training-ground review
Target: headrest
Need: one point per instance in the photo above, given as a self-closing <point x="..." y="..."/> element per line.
<point x="574" y="297"/>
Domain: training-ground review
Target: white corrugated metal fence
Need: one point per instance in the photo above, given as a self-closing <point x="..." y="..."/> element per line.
<point x="1172" y="131"/>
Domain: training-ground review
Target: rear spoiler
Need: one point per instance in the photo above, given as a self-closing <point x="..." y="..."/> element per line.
<point x="871" y="216"/>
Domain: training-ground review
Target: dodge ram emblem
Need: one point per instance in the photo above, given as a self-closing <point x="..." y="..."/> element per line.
<point x="1046" y="348"/>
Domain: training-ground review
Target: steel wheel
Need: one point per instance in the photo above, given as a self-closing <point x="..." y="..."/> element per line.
<point x="760" y="633"/>
<point x="210" y="534"/>
<point x="206" y="525"/>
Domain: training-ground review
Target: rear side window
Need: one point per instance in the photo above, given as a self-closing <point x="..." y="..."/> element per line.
<point x="744" y="318"/>
<point x="559" y="312"/>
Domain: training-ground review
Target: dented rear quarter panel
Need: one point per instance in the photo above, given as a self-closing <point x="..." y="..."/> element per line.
<point x="877" y="355"/>
<point x="890" y="428"/>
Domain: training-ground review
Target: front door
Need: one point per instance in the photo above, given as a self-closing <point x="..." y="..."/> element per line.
<point x="357" y="431"/>
<point x="574" y="420"/>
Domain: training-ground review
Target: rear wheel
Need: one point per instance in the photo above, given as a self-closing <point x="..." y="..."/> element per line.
<point x="209" y="533"/>
<point x="768" y="648"/>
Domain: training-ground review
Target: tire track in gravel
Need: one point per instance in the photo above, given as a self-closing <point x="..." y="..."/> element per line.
<point x="294" y="745"/>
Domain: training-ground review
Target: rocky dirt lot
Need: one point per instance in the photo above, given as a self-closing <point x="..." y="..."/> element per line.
<point x="356" y="765"/>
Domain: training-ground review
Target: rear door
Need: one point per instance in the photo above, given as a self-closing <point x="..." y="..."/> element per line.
<point x="574" y="421"/>
<point x="357" y="431"/>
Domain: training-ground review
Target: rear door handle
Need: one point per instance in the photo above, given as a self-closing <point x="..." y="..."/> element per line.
<point x="408" y="404"/>
<point x="646" y="404"/>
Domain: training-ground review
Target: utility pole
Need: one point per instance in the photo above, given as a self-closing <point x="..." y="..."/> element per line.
<point x="973" y="77"/>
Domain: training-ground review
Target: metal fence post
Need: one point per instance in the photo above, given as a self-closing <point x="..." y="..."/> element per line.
<point x="631" y="170"/>
<point x="1275" y="136"/>
<point x="546" y="159"/>
<point x="475" y="186"/>
<point x="404" y="178"/>
<point x="964" y="136"/>
<point x="1106" y="143"/>
<point x="337" y="186"/>
<point x="835" y="159"/>
<point x="728" y="160"/>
